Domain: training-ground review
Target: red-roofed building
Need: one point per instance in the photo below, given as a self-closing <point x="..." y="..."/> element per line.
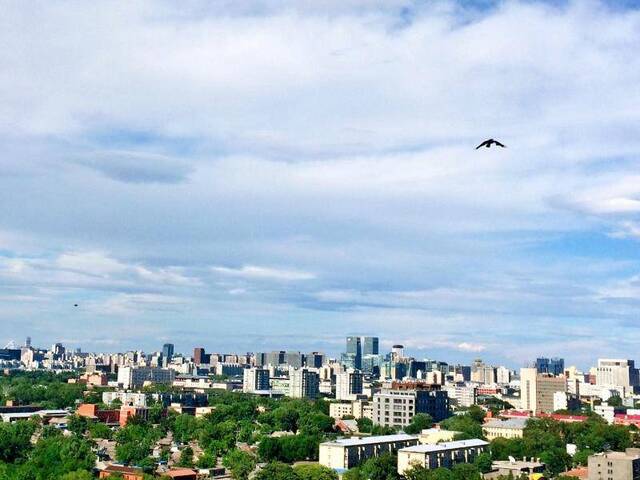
<point x="182" y="474"/>
<point x="564" y="418"/>
<point x="581" y="472"/>
<point x="128" y="473"/>
<point x="89" y="410"/>
<point x="623" y="419"/>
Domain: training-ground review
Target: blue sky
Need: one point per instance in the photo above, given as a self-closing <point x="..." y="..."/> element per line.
<point x="260" y="175"/>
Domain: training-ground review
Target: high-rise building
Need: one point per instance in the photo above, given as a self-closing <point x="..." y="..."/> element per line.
<point x="397" y="407"/>
<point x="276" y="358"/>
<point x="293" y="359"/>
<point x="304" y="383"/>
<point x="503" y="375"/>
<point x="135" y="377"/>
<point x="616" y="372"/>
<point x="167" y="351"/>
<point x="353" y="356"/>
<point x="349" y="385"/>
<point x="553" y="366"/>
<point x="314" y="359"/>
<point x="255" y="379"/>
<point x="200" y="356"/>
<point x="482" y="373"/>
<point x="537" y="390"/>
<point x="397" y="352"/>
<point x="370" y="346"/>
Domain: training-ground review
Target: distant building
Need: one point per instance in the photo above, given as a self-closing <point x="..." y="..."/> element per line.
<point x="356" y="409"/>
<point x="481" y="373"/>
<point x="440" y="455"/>
<point x="370" y="346"/>
<point x="135" y="377"/>
<point x="304" y="383"/>
<point x="352" y="358"/>
<point x="461" y="395"/>
<point x="343" y="454"/>
<point x="397" y="407"/>
<point x="314" y="360"/>
<point x="617" y="372"/>
<point x="615" y="465"/>
<point x="537" y="390"/>
<point x="167" y="351"/>
<point x="200" y="357"/>
<point x="255" y="379"/>
<point x="349" y="385"/>
<point x="552" y="366"/>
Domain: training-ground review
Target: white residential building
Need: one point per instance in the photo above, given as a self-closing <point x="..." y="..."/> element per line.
<point x="349" y="385"/>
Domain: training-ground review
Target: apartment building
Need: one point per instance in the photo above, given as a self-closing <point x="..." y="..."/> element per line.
<point x="397" y="407"/>
<point x="437" y="455"/>
<point x="615" y="465"/>
<point x="346" y="453"/>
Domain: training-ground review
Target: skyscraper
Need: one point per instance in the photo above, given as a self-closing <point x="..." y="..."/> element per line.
<point x="553" y="366"/>
<point x="370" y="346"/>
<point x="354" y="352"/>
<point x="167" y="351"/>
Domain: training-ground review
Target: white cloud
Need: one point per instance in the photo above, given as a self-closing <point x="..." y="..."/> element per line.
<point x="267" y="273"/>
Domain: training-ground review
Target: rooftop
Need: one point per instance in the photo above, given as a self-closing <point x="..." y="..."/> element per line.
<point x="440" y="447"/>
<point x="517" y="422"/>
<point x="350" y="442"/>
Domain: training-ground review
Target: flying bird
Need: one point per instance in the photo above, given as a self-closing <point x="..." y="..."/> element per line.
<point x="75" y="304"/>
<point x="488" y="143"/>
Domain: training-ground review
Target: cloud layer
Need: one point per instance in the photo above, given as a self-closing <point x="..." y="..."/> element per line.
<point x="302" y="173"/>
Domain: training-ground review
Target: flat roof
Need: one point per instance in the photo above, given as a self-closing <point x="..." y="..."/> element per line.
<point x="440" y="447"/>
<point x="350" y="442"/>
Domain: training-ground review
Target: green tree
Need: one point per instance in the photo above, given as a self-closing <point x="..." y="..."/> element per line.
<point x="315" y="472"/>
<point x="240" y="463"/>
<point x="614" y="401"/>
<point x="419" y="422"/>
<point x="383" y="467"/>
<point x="441" y="474"/>
<point x="186" y="457"/>
<point x="277" y="471"/>
<point x="417" y="472"/>
<point x="100" y="430"/>
<point x="365" y="425"/>
<point x="54" y="457"/>
<point x="77" y="424"/>
<point x="77" y="475"/>
<point x="465" y="471"/>
<point x="483" y="462"/>
<point x="15" y="440"/>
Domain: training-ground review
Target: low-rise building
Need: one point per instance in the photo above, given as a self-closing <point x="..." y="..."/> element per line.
<point x="346" y="453"/>
<point x="436" y="455"/>
<point x="356" y="409"/>
<point x="516" y="468"/>
<point x="505" y="428"/>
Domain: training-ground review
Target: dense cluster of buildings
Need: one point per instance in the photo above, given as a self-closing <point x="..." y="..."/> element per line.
<point x="389" y="389"/>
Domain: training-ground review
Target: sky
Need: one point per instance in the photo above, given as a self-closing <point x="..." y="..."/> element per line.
<point x="259" y="175"/>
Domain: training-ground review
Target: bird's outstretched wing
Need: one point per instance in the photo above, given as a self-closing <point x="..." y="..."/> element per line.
<point x="482" y="144"/>
<point x="499" y="144"/>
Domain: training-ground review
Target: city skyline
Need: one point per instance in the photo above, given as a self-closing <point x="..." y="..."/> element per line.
<point x="283" y="174"/>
